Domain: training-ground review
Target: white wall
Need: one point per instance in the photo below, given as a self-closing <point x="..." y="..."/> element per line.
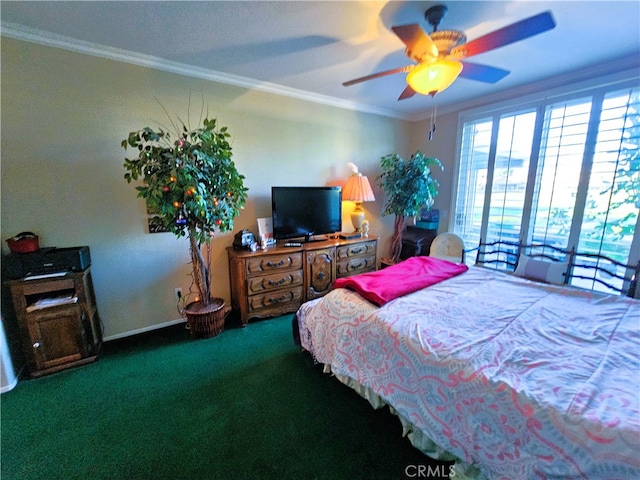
<point x="63" y="117"/>
<point x="443" y="147"/>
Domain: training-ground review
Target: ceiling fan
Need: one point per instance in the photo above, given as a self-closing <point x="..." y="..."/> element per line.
<point x="439" y="56"/>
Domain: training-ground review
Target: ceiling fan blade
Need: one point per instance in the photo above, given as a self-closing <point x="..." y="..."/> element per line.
<point x="512" y="33"/>
<point x="379" y="74"/>
<point x="482" y="73"/>
<point x="418" y="43"/>
<point x="407" y="93"/>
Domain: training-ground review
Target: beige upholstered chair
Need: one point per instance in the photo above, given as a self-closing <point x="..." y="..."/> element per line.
<point x="448" y="246"/>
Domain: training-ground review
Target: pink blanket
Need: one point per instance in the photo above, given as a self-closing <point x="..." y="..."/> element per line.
<point x="412" y="274"/>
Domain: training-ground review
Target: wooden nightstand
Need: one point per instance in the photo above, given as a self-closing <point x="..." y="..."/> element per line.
<point x="416" y="242"/>
<point x="59" y="321"/>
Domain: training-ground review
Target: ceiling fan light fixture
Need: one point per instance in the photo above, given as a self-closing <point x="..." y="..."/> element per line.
<point x="429" y="78"/>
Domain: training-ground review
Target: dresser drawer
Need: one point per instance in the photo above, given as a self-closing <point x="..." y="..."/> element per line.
<point x="266" y="264"/>
<point x="355" y="265"/>
<point x="276" y="298"/>
<point x="356" y="249"/>
<point x="272" y="282"/>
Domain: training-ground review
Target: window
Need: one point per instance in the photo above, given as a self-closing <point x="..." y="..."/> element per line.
<point x="510" y="170"/>
<point x="564" y="172"/>
<point x="562" y="148"/>
<point x="472" y="177"/>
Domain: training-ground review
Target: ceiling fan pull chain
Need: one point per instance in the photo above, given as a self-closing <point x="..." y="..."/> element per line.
<point x="434" y="114"/>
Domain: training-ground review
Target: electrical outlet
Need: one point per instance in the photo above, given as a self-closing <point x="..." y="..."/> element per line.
<point x="178" y="293"/>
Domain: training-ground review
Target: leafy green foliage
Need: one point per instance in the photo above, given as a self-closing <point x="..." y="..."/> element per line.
<point x="191" y="183"/>
<point x="408" y="183"/>
<point x="409" y="187"/>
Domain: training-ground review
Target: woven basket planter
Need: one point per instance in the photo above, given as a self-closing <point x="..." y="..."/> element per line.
<point x="205" y="321"/>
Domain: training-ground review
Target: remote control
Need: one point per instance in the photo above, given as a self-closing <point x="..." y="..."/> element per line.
<point x="293" y="244"/>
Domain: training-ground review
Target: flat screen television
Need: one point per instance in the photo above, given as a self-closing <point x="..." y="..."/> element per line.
<point x="306" y="212"/>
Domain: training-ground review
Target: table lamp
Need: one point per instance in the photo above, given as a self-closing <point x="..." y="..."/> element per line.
<point x="358" y="190"/>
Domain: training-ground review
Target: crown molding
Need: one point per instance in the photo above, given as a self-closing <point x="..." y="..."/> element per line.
<point x="625" y="68"/>
<point x="27" y="34"/>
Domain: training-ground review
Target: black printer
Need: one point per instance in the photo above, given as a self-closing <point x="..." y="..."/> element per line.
<point x="47" y="260"/>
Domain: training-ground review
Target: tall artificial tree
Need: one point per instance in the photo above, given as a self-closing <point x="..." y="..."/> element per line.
<point x="190" y="182"/>
<point x="409" y="187"/>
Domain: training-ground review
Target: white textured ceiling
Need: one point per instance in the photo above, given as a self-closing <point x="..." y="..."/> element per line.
<point x="307" y="48"/>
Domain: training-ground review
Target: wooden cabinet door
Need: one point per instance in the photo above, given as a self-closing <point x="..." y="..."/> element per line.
<point x="58" y="337"/>
<point x="320" y="272"/>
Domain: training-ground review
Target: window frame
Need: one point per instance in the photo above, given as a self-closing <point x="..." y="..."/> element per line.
<point x="596" y="90"/>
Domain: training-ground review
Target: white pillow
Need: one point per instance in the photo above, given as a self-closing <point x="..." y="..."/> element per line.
<point x="540" y="270"/>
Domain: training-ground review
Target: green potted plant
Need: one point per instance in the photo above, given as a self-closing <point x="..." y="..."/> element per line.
<point x="191" y="184"/>
<point x="409" y="187"/>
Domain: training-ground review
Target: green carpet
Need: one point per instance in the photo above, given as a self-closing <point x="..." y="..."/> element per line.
<point x="244" y="405"/>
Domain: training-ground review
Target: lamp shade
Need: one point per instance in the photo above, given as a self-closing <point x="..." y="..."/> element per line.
<point x="358" y="189"/>
<point x="429" y="78"/>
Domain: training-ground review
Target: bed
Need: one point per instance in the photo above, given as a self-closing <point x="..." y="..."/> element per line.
<point x="511" y="377"/>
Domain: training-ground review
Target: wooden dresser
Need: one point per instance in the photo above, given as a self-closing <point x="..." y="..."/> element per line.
<point x="279" y="279"/>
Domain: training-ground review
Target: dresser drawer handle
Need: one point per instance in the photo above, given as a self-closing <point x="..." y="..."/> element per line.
<point x="358" y="266"/>
<point x="280" y="299"/>
<point x="273" y="283"/>
<point x="356" y="251"/>
<point x="276" y="265"/>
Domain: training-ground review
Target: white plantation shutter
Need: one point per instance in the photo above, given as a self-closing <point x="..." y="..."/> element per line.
<point x="558" y="171"/>
<point x="563" y="172"/>
<point x="510" y="170"/>
<point x="472" y="179"/>
<point x="613" y="193"/>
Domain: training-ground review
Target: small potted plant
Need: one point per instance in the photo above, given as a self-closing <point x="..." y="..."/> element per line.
<point x="409" y="187"/>
<point x="190" y="182"/>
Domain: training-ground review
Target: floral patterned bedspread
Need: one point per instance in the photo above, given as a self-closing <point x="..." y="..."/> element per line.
<point x="520" y="379"/>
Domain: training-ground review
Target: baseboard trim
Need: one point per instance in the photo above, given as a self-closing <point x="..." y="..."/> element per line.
<point x="150" y="328"/>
